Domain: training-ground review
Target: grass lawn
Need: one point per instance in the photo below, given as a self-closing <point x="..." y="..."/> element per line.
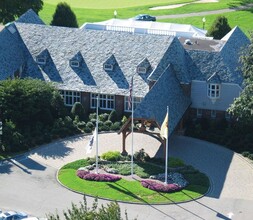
<point x="243" y="19"/>
<point x="92" y="11"/>
<point x="131" y="191"/>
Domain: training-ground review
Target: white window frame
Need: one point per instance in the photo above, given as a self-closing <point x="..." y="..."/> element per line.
<point x="41" y="60"/>
<point x="141" y="69"/>
<point x="70" y="97"/>
<point x="106" y="102"/>
<point x="199" y="113"/>
<point x="213" y="113"/>
<point x="108" y="67"/>
<point x="213" y="90"/>
<point x="136" y="101"/>
<point x="74" y="63"/>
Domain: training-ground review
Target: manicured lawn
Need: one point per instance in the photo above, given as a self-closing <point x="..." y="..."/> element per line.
<point x="243" y="19"/>
<point x="128" y="191"/>
<point x="92" y="11"/>
<point x="114" y="4"/>
<point x="132" y="191"/>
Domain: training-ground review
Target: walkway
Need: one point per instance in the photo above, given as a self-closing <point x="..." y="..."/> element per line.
<point x="204" y="13"/>
<point x="28" y="183"/>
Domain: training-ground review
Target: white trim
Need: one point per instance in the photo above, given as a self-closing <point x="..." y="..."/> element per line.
<point x="136" y="102"/>
<point x="213" y="90"/>
<point x="70" y="97"/>
<point x="108" y="67"/>
<point x="141" y="69"/>
<point x="41" y="60"/>
<point x="106" y="101"/>
<point x="74" y="63"/>
<point x="233" y="84"/>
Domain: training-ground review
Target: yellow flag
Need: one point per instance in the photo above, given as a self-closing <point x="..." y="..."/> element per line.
<point x="164" y="129"/>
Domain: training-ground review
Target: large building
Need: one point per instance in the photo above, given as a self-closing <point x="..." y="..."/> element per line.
<point x="198" y="77"/>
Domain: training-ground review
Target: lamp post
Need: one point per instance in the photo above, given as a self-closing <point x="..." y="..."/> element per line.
<point x="204" y="21"/>
<point x="115" y="14"/>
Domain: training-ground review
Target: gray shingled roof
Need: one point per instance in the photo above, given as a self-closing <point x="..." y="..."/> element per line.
<point x="215" y="78"/>
<point x="177" y="57"/>
<point x="224" y="60"/>
<point x="166" y="92"/>
<point x="30" y="17"/>
<point x="12" y="56"/>
<point x="96" y="47"/>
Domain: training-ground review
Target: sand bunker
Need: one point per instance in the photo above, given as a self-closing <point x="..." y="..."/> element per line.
<point x="180" y="5"/>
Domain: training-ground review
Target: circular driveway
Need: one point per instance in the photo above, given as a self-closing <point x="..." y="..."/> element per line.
<point x="28" y="182"/>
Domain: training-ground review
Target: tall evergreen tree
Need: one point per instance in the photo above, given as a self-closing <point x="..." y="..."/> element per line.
<point x="64" y="16"/>
<point x="219" y="28"/>
<point x="11" y="9"/>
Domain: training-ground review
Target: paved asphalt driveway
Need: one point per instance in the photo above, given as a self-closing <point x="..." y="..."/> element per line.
<point x="28" y="183"/>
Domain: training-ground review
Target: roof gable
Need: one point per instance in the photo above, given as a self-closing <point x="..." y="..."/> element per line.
<point x="215" y="78"/>
<point x="166" y="92"/>
<point x="30" y="17"/>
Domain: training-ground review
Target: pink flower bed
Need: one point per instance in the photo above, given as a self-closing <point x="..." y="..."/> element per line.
<point x="160" y="187"/>
<point x="86" y="175"/>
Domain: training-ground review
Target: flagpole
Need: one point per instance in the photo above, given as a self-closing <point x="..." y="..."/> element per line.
<point x="132" y="123"/>
<point x="97" y="134"/>
<point x="167" y="145"/>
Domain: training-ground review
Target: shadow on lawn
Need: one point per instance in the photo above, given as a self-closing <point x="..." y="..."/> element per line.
<point x="129" y="193"/>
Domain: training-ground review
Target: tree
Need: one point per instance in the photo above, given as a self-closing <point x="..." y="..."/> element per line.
<point x="11" y="9"/>
<point x="28" y="109"/>
<point x="219" y="28"/>
<point x="242" y="108"/>
<point x="64" y="16"/>
<point x="109" y="212"/>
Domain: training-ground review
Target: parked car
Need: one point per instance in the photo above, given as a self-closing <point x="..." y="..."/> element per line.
<point x="12" y="215"/>
<point x="144" y="17"/>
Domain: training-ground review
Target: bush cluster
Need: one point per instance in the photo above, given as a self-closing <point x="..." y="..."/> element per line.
<point x="86" y="175"/>
<point x="111" y="156"/>
<point x="159" y="186"/>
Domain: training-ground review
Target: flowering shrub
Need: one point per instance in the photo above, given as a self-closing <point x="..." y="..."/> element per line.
<point x="86" y="175"/>
<point x="160" y="187"/>
<point x="82" y="173"/>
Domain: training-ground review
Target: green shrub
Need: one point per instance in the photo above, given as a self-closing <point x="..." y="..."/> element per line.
<point x="104" y="128"/>
<point x="108" y="123"/>
<point x="103" y="117"/>
<point x="81" y="125"/>
<point x="90" y="125"/>
<point x="141" y="155"/>
<point x="250" y="156"/>
<point x="92" y="116"/>
<point x="111" y="156"/>
<point x="87" y="129"/>
<point x="245" y="153"/>
<point x="124" y="119"/>
<point x="78" y="110"/>
<point x="116" y="126"/>
<point x="113" y="116"/>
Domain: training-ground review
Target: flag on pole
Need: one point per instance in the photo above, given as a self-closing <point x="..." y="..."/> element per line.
<point x="91" y="142"/>
<point x="130" y="94"/>
<point x="165" y="127"/>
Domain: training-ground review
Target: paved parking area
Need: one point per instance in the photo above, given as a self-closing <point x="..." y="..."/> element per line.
<point x="29" y="183"/>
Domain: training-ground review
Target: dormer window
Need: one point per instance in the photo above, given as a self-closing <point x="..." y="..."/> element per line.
<point x="74" y="63"/>
<point x="41" y="60"/>
<point x="108" y="67"/>
<point x="143" y="66"/>
<point x="141" y="69"/>
<point x="213" y="91"/>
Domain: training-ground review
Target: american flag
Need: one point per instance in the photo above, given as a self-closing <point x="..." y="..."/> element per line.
<point x="130" y="94"/>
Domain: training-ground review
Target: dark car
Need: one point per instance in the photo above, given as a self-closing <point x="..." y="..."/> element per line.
<point x="144" y="17"/>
